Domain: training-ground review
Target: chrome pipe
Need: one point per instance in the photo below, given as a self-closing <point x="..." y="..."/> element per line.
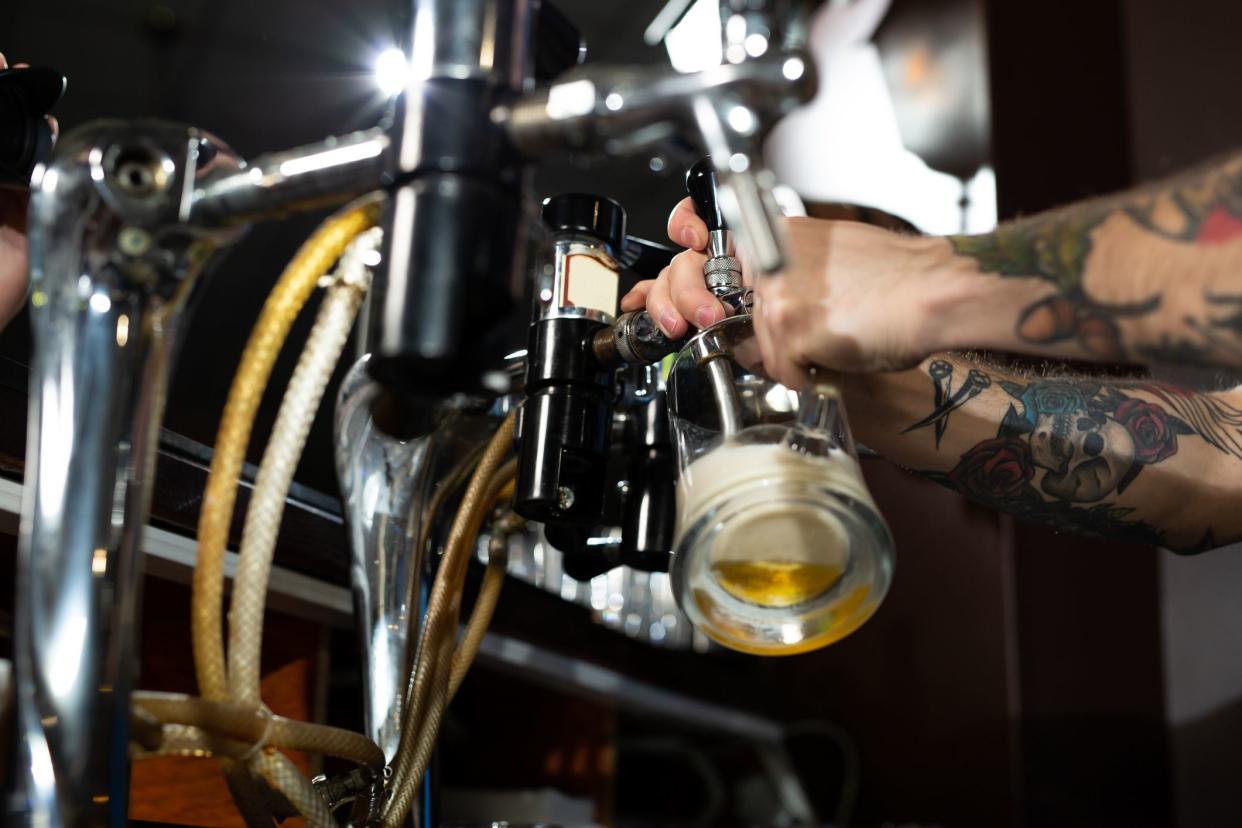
<point x="296" y="180"/>
<point x="620" y="110"/>
<point x="113" y="268"/>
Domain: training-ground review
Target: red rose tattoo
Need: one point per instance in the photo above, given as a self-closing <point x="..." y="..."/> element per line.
<point x="1148" y="424"/>
<point x="994" y="469"/>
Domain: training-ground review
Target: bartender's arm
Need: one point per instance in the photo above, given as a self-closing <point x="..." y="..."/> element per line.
<point x="12" y="253"/>
<point x="1128" y="460"/>
<point x="1150" y="275"/>
<point x="13" y="262"/>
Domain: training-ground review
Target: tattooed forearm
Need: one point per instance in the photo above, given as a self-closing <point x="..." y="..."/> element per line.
<point x="1189" y="215"/>
<point x="941" y="372"/>
<point x="1066" y="451"/>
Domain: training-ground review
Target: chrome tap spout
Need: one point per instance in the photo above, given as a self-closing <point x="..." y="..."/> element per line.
<point x="113" y="267"/>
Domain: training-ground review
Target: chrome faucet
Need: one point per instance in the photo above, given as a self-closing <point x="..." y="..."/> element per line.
<point x="113" y="265"/>
<point x="126" y="216"/>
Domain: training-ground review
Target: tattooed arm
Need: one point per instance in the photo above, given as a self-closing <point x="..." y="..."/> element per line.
<point x="1150" y="275"/>
<point x="1155" y="274"/>
<point x="1120" y="459"/>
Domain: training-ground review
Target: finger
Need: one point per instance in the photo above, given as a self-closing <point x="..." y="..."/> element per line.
<point x="637" y="297"/>
<point x="4" y="64"/>
<point x="690" y="295"/>
<point x="785" y="362"/>
<point x="685" y="227"/>
<point x="55" y="125"/>
<point x="764" y="337"/>
<point x="663" y="311"/>
<point x="21" y="65"/>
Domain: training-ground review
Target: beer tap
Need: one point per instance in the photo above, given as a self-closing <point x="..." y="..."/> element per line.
<point x="126" y="215"/>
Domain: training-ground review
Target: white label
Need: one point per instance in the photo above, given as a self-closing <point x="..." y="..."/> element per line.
<point x="589" y="283"/>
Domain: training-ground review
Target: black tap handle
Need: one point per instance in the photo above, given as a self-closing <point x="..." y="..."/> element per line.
<point x="646" y="259"/>
<point x="701" y="183"/>
<point x="559" y="46"/>
<point x="26" y="95"/>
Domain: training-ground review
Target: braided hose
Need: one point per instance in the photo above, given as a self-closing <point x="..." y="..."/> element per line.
<point x="280" y="459"/>
<point x="463" y="655"/>
<point x="190" y="741"/>
<point x="252" y="726"/>
<point x="428" y="691"/>
<point x="286" y="300"/>
<point x="285" y="777"/>
<point x="480" y="616"/>
<point x="283" y="304"/>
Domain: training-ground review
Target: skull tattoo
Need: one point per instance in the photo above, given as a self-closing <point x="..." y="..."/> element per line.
<point x="1086" y="454"/>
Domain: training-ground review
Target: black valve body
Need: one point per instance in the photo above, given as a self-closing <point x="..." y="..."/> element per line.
<point x="26" y="96"/>
<point x="650" y="499"/>
<point x="564" y="425"/>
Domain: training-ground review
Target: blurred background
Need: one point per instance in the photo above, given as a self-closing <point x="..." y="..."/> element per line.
<point x="1013" y="677"/>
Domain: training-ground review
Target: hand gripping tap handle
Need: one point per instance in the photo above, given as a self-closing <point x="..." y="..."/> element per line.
<point x="722" y="271"/>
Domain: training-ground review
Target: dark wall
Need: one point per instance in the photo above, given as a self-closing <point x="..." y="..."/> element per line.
<point x="1183" y="66"/>
<point x="1094" y="742"/>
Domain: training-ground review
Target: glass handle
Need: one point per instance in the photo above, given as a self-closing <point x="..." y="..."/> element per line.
<point x="820" y="424"/>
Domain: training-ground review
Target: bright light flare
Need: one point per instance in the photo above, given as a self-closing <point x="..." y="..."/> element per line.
<point x="391" y="71"/>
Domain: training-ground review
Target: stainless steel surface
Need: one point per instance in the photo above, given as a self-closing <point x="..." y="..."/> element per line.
<point x="711" y="351"/>
<point x="278" y="183"/>
<point x="112" y="268"/>
<point x="723" y="275"/>
<point x="721" y="375"/>
<point x="621" y="109"/>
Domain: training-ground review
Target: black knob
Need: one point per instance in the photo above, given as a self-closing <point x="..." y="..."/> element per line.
<point x="558" y="43"/>
<point x="26" y="95"/>
<point x="701" y="183"/>
<point x="591" y="215"/>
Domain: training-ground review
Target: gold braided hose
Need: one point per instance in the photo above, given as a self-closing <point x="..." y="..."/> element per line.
<point x="189" y="741"/>
<point x="249" y="726"/>
<point x="447" y="683"/>
<point x="480" y="615"/>
<point x="280" y="459"/>
<point x="287" y="298"/>
<point x="292" y="290"/>
<point x="428" y="691"/>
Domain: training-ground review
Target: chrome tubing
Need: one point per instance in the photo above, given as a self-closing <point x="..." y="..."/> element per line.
<point x="621" y="110"/>
<point x="113" y="267"/>
<point x="279" y="183"/>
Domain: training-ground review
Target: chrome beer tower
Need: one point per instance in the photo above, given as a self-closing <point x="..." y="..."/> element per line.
<point x="125" y="218"/>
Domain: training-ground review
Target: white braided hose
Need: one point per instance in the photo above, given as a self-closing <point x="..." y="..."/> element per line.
<point x="280" y="458"/>
<point x="297" y="411"/>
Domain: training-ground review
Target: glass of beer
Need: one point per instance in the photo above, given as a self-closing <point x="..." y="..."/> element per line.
<point x="779" y="547"/>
